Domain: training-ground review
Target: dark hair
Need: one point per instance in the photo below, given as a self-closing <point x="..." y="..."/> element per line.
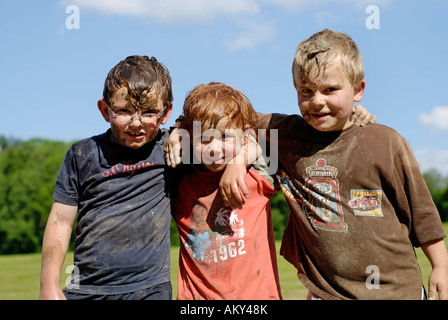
<point x="142" y="76"/>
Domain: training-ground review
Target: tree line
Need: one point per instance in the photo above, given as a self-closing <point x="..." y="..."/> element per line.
<point x="28" y="171"/>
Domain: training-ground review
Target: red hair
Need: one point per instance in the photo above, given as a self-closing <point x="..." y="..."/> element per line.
<point x="209" y="103"/>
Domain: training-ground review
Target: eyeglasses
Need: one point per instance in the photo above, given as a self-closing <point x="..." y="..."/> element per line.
<point x="124" y="116"/>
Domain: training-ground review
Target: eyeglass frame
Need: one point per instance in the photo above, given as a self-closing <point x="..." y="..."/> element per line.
<point x="140" y="117"/>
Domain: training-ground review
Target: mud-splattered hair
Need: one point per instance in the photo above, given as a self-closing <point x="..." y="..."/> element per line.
<point x="322" y="49"/>
<point x="145" y="79"/>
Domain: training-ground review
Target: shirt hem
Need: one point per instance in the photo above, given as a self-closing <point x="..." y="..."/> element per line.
<point x="120" y="289"/>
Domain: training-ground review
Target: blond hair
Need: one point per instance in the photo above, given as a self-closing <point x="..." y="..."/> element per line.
<point x="324" y="48"/>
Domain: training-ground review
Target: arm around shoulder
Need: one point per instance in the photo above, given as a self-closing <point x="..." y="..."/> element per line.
<point x="54" y="249"/>
<point x="233" y="178"/>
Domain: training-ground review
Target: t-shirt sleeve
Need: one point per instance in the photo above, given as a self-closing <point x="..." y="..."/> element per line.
<point x="262" y="168"/>
<point x="66" y="186"/>
<point x="425" y="222"/>
<point x="263" y="120"/>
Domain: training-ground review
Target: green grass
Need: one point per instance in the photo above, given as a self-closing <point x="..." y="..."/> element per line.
<point x="20" y="274"/>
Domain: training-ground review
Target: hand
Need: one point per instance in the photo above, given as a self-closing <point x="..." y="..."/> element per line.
<point x="438" y="282"/>
<point x="55" y="294"/>
<point x="437" y="255"/>
<point x="173" y="149"/>
<point x="232" y="186"/>
<point x="361" y="116"/>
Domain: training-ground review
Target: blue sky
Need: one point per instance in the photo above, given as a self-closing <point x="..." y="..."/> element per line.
<point x="52" y="76"/>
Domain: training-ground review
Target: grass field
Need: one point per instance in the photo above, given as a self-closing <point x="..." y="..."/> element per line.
<point x="20" y="274"/>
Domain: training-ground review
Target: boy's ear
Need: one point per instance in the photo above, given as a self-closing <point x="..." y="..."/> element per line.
<point x="102" y="106"/>
<point x="167" y="113"/>
<point x="360" y="91"/>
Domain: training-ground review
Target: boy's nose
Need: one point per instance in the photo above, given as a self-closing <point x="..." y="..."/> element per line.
<point x="318" y="99"/>
<point x="136" y="122"/>
<point x="215" y="148"/>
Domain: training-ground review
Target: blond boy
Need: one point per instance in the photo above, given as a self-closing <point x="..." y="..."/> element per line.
<point x="357" y="199"/>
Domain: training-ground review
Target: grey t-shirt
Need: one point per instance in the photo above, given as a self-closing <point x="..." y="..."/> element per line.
<point x="123" y="198"/>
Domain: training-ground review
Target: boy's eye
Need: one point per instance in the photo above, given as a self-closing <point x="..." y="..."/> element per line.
<point x="226" y="137"/>
<point x="148" y="113"/>
<point x="332" y="89"/>
<point x="306" y="91"/>
<point x="206" y="139"/>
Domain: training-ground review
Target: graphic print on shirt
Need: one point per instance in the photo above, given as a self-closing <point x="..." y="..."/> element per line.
<point x="217" y="235"/>
<point x="319" y="197"/>
<point x="366" y="202"/>
<point x="126" y="167"/>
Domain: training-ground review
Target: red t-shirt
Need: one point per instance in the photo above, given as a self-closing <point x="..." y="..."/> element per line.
<point x="225" y="253"/>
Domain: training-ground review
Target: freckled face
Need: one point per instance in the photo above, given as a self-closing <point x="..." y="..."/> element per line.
<point x="326" y="102"/>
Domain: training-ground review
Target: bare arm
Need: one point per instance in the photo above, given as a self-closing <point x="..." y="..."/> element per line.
<point x="54" y="249"/>
<point x="233" y="178"/>
<point x="436" y="253"/>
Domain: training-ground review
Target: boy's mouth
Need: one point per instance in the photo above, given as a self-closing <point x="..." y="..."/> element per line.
<point x="219" y="161"/>
<point x="135" y="135"/>
<point x="320" y="116"/>
<point x="213" y="161"/>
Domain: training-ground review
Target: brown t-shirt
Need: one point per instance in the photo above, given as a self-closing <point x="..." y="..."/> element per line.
<point x="358" y="205"/>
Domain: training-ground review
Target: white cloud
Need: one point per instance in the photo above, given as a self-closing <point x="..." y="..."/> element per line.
<point x="203" y="10"/>
<point x="253" y="34"/>
<point x="243" y="15"/>
<point x="172" y="11"/>
<point x="302" y="5"/>
<point x="432" y="159"/>
<point x="240" y="13"/>
<point x="437" y="119"/>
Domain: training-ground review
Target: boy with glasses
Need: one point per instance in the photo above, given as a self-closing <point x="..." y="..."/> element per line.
<point x="119" y="184"/>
